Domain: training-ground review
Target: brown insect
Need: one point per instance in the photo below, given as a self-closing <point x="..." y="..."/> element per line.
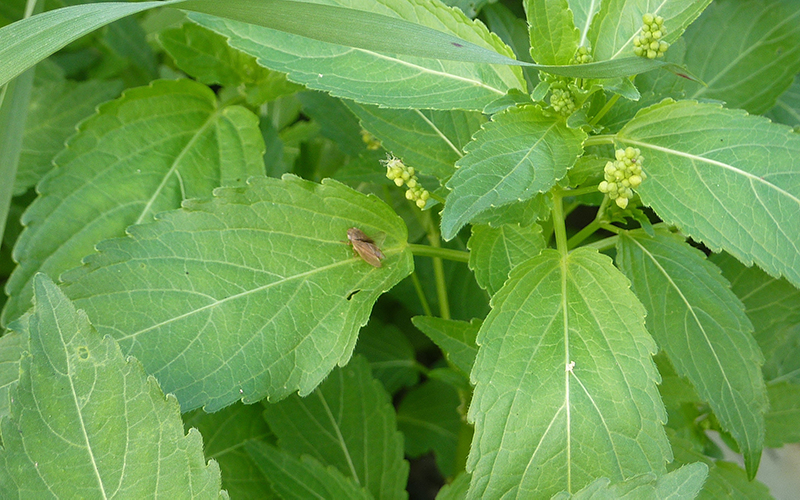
<point x="365" y="247"/>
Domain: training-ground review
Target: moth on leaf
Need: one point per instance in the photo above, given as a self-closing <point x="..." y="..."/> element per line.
<point x="365" y="247"/>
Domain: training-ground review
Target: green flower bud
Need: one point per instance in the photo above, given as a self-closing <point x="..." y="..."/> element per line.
<point x="648" y="18"/>
<point x="420" y="203"/>
<point x="621" y="202"/>
<point x="399" y="181"/>
<point x="409" y="195"/>
<point x="424" y="195"/>
<point x="411" y="183"/>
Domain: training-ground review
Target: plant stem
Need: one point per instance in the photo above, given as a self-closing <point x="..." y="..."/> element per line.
<point x="558" y="223"/>
<point x="441" y="282"/>
<point x="599" y="140"/>
<point x="421" y="294"/>
<point x="605" y="109"/>
<point x="438" y="252"/>
<point x="581" y="191"/>
<point x="603" y="244"/>
<point x="583" y="234"/>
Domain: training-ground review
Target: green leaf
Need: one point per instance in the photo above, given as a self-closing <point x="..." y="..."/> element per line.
<point x="12" y="345"/>
<point x="87" y="422"/>
<point x="680" y="484"/>
<point x="253" y="294"/>
<point x="207" y="57"/>
<point x="783" y="415"/>
<point x="494" y="252"/>
<point x="565" y="383"/>
<point x="304" y="477"/>
<point x="139" y="155"/>
<point x="336" y="122"/>
<point x="725" y="479"/>
<point x="520" y="153"/>
<point x="619" y="21"/>
<point x="751" y="69"/>
<point x="347" y="423"/>
<point x="514" y="32"/>
<point x="701" y="325"/>
<point x="455" y="338"/>
<point x="553" y="35"/>
<point x="428" y="140"/>
<point x="371" y="78"/>
<point x="390" y="355"/>
<point x="225" y="435"/>
<point x="56" y="106"/>
<point x="428" y="418"/>
<point x="584" y="12"/>
<point x="725" y="178"/>
<point x="773" y="306"/>
<point x="787" y="107"/>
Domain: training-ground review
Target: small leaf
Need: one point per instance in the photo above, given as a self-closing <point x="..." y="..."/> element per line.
<point x="455" y="338"/>
<point x="428" y="140"/>
<point x="725" y="178"/>
<point x="457" y="490"/>
<point x="494" y="252"/>
<point x="554" y="38"/>
<point x="701" y="325"/>
<point x="226" y="434"/>
<point x="520" y="153"/>
<point x="139" y="155"/>
<point x="244" y="296"/>
<point x="681" y="484"/>
<point x="86" y="422"/>
<point x="302" y="478"/>
<point x="428" y="418"/>
<point x="565" y="383"/>
<point x="348" y="423"/>
<point x="619" y="21"/>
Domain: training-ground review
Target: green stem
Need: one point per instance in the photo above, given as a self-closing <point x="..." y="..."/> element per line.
<point x="581" y="191"/>
<point x="583" y="234"/>
<point x="599" y="140"/>
<point x="605" y="109"/>
<point x="441" y="282"/>
<point x="611" y="228"/>
<point x="421" y="294"/>
<point x="603" y="244"/>
<point x="436" y="197"/>
<point x="438" y="252"/>
<point x="558" y="223"/>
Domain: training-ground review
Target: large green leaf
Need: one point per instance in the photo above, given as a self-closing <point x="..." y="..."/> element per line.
<point x="619" y="21"/>
<point x="225" y="435"/>
<point x="428" y="140"/>
<point x="783" y="415"/>
<point x="701" y="325"/>
<point x="553" y="35"/>
<point x="583" y="12"/>
<point x="494" y="252"/>
<point x="390" y="355"/>
<point x="253" y="294"/>
<point x="773" y="306"/>
<point x="566" y="386"/>
<point x="12" y="345"/>
<point x="749" y="70"/>
<point x="520" y="153"/>
<point x="56" y="107"/>
<point x="725" y="178"/>
<point x="139" y="155"/>
<point x="88" y="423"/>
<point x="303" y="478"/>
<point x="348" y="423"/>
<point x="787" y="107"/>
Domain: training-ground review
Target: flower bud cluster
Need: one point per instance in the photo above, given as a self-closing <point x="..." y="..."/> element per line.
<point x="370" y="140"/>
<point x="650" y="44"/>
<point x="401" y="174"/>
<point x="623" y="176"/>
<point x="562" y="101"/>
<point x="582" y="56"/>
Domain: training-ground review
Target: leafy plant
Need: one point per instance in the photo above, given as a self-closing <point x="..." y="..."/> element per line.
<point x="552" y="247"/>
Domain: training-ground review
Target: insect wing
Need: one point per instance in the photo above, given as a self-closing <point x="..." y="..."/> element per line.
<point x="365" y="247"/>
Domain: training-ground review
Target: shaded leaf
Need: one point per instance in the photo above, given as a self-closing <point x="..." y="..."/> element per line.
<point x="225" y="434"/>
<point x="348" y="423"/>
<point x="457" y="490"/>
<point x="565" y="383"/>
<point x="335" y="120"/>
<point x="787" y="107"/>
<point x="428" y="418"/>
<point x="390" y="355"/>
<point x="141" y="154"/>
<point x="304" y="477"/>
<point x="725" y="178"/>
<point x="87" y="422"/>
<point x="701" y="325"/>
<point x="494" y="252"/>
<point x="428" y="140"/>
<point x="520" y="153"/>
<point x="455" y="338"/>
<point x="783" y="415"/>
<point x="244" y="296"/>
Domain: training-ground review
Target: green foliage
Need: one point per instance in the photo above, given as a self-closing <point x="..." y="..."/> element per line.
<point x="591" y="254"/>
